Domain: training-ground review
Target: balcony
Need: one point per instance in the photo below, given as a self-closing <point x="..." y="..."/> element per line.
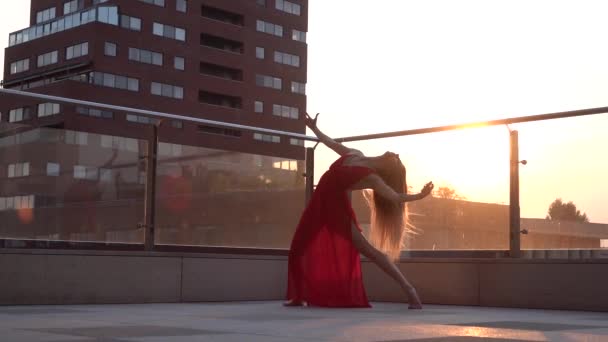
<point x="222" y="15"/>
<point x="220" y="100"/>
<point x="221" y="71"/>
<point x="201" y="224"/>
<point x="220" y="43"/>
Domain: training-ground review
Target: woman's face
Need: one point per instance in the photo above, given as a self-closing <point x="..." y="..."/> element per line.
<point x="390" y="160"/>
<point x="391" y="156"/>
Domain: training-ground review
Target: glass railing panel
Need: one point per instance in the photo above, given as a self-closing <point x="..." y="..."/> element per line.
<point x="211" y="197"/>
<point x="67" y="185"/>
<point x="563" y="187"/>
<point x="469" y="208"/>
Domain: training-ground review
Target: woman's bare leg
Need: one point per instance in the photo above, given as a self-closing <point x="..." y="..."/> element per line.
<point x="380" y="259"/>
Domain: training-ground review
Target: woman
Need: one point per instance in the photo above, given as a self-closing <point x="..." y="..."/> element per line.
<point x="324" y="265"/>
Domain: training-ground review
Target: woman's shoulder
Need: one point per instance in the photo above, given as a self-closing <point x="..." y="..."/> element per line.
<point x="353" y="151"/>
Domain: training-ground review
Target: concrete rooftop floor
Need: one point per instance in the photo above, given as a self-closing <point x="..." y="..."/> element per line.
<point x="270" y="321"/>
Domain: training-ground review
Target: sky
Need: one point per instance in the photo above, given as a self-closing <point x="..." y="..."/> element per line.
<point x="394" y="65"/>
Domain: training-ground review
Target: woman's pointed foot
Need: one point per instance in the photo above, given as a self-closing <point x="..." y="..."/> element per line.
<point x="293" y="302"/>
<point x="414" y="300"/>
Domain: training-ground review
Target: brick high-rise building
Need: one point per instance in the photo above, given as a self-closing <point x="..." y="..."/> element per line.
<point x="238" y="61"/>
<point x="79" y="173"/>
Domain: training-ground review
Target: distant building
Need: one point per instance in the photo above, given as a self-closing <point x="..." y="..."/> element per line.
<point x="458" y="224"/>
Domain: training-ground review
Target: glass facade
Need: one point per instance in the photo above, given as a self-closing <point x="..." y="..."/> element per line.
<point x="103" y="14"/>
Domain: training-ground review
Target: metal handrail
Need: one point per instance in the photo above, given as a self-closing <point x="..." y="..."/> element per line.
<point x="157" y="114"/>
<point x="508" y="121"/>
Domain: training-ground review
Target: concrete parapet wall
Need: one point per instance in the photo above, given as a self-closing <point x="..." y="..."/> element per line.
<point x="91" y="277"/>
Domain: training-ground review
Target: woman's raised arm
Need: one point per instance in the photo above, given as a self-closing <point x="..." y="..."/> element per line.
<point x="377" y="184"/>
<point x="329" y="142"/>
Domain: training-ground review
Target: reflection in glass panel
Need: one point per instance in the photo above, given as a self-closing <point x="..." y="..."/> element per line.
<point x="90" y="191"/>
<point x="212" y="197"/>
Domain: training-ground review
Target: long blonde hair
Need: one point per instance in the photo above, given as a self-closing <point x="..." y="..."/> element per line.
<point x="389" y="220"/>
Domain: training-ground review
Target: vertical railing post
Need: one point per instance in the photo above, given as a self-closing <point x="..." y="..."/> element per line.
<point x="514" y="211"/>
<point x="150" y="194"/>
<point x="310" y="173"/>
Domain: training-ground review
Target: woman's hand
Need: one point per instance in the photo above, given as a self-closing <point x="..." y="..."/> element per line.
<point x="426" y="190"/>
<point x="310" y="122"/>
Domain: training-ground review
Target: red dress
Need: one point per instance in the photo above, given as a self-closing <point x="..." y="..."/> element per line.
<point x="324" y="265"/>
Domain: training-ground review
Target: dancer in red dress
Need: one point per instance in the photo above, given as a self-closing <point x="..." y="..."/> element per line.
<point x="324" y="265"/>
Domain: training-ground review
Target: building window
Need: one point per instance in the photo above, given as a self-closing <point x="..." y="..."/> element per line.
<point x="285" y="111"/>
<point x="18" y="170"/>
<point x="298" y="36"/>
<point x="179" y="63"/>
<point x="52" y="169"/>
<point x="76" y="138"/>
<point x="97" y="2"/>
<point x="19" y="114"/>
<point x="151" y="121"/>
<point x="46" y="109"/>
<point x="95" y="113"/>
<point x="259" y="107"/>
<point x="47" y="58"/>
<point x="160" y="3"/>
<point x="17" y="202"/>
<point x="267" y="138"/>
<point x="119" y="143"/>
<point x="291" y="165"/>
<point x="261" y="3"/>
<point x="168" y="31"/>
<point x="106" y="15"/>
<point x="259" y="52"/>
<point x="166" y="149"/>
<point x="220" y="131"/>
<point x="167" y="90"/>
<point x="286" y="58"/>
<point x="270" y="28"/>
<point x="181" y="6"/>
<point x="72" y="6"/>
<point x="80" y="172"/>
<point x="109" y="49"/>
<point x="268" y="82"/>
<point x="298" y="88"/>
<point x="130" y="23"/>
<point x="287" y="6"/>
<point x="45" y="15"/>
<point x="145" y="56"/>
<point x="142" y="119"/>
<point x="114" y="81"/>
<point x="77" y="50"/>
<point x="20" y="66"/>
<point x="297" y="142"/>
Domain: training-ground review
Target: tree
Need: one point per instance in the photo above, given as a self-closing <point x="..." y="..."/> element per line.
<point x="447" y="192"/>
<point x="560" y="211"/>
